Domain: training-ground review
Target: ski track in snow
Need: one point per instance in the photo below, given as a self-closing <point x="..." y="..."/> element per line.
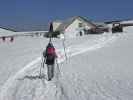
<point x="77" y="49"/>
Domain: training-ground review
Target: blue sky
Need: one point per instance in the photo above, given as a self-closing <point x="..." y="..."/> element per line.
<point x="33" y="12"/>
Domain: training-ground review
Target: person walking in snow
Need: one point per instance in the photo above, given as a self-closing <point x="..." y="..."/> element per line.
<point x="50" y="56"/>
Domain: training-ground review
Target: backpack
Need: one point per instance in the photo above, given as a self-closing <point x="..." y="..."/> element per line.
<point x="50" y="52"/>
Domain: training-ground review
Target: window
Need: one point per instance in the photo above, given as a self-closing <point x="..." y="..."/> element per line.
<point x="80" y="24"/>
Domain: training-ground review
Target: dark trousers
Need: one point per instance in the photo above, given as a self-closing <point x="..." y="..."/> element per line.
<point x="50" y="71"/>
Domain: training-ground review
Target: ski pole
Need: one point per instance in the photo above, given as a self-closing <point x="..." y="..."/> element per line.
<point x="58" y="66"/>
<point x="64" y="49"/>
<point x="42" y="65"/>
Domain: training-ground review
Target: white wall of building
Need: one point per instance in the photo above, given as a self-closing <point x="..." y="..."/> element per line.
<point x="110" y="27"/>
<point x="128" y="29"/>
<point x="56" y="25"/>
<point x="74" y="29"/>
<point x="4" y="32"/>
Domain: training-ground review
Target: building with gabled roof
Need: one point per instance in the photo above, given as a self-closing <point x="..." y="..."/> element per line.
<point x="75" y="26"/>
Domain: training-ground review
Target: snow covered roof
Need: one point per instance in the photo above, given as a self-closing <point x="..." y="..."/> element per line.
<point x="127" y="21"/>
<point x="8" y="29"/>
<point x="66" y="23"/>
<point x="27" y="28"/>
<point x="100" y="24"/>
<point x="118" y="21"/>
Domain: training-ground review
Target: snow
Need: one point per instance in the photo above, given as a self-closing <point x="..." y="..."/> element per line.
<point x="4" y="32"/>
<point x="128" y="29"/>
<point x="98" y="67"/>
<point x="128" y="21"/>
<point x="15" y="55"/>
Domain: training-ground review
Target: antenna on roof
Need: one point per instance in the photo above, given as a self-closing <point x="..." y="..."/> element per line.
<point x="50" y="31"/>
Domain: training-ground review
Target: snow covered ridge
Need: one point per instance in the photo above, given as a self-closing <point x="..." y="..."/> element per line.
<point x="15" y="89"/>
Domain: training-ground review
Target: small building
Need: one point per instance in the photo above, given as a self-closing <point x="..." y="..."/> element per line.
<point x="101" y="27"/>
<point x="6" y="31"/>
<point x="6" y="34"/>
<point x="75" y="26"/>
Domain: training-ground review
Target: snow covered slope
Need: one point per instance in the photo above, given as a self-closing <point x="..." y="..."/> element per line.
<point x="99" y="68"/>
<point x="17" y="54"/>
<point x="104" y="74"/>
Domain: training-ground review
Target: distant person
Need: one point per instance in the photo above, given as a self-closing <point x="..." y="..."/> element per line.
<point x="50" y="56"/>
